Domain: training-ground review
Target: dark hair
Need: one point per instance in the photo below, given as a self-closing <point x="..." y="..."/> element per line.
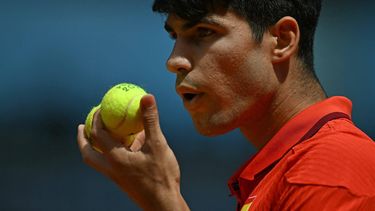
<point x="260" y="14"/>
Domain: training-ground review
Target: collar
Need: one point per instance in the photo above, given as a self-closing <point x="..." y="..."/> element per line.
<point x="288" y="136"/>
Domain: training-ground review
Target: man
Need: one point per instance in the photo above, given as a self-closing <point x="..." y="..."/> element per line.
<point x="248" y="65"/>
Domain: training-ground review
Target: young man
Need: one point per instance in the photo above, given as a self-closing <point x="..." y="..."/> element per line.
<point x="248" y="65"/>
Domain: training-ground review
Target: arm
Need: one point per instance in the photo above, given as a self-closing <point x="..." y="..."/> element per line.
<point x="148" y="172"/>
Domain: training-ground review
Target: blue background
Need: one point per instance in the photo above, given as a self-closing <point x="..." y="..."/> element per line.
<point x="57" y="59"/>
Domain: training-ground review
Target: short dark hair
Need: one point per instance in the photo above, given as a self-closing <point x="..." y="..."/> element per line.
<point x="260" y="14"/>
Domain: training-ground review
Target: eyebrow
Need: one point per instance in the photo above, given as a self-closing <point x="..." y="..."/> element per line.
<point x="189" y="24"/>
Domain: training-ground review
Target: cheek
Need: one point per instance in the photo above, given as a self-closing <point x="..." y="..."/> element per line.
<point x="246" y="77"/>
<point x="231" y="57"/>
<point x="243" y="71"/>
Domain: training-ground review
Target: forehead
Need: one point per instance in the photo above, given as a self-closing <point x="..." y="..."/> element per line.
<point x="227" y="19"/>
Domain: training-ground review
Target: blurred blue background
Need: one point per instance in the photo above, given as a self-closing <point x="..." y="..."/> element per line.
<point x="57" y="59"/>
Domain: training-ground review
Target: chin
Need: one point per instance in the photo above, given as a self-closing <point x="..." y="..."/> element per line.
<point x="210" y="125"/>
<point x="212" y="130"/>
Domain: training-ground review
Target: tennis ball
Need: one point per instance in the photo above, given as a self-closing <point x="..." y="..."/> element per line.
<point x="120" y="112"/>
<point x="88" y="125"/>
<point x="88" y="122"/>
<point x="120" y="109"/>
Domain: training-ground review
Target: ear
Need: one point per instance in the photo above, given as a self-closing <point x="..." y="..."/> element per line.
<point x="286" y="36"/>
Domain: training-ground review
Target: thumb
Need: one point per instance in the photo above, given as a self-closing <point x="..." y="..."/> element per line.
<point x="150" y="117"/>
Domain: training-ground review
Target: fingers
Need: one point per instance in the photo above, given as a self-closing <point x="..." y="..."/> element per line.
<point x="150" y="118"/>
<point x="153" y="138"/>
<point x="101" y="138"/>
<point x="155" y="141"/>
<point x="89" y="155"/>
<point x="138" y="142"/>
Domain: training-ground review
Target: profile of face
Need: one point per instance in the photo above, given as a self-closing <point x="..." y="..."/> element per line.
<point x="224" y="77"/>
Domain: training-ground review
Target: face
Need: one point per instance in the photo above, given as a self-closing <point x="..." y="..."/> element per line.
<point x="224" y="78"/>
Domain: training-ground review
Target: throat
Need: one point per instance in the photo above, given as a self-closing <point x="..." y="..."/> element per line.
<point x="260" y="130"/>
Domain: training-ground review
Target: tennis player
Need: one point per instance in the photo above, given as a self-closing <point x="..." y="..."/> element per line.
<point x="248" y="65"/>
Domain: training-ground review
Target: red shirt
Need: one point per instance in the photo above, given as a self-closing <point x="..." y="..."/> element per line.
<point x="319" y="160"/>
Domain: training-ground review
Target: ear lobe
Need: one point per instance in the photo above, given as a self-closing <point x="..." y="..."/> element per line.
<point x="286" y="33"/>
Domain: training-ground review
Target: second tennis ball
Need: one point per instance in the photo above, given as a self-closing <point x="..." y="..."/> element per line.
<point x="120" y="111"/>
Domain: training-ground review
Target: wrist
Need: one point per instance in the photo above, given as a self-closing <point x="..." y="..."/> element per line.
<point x="166" y="200"/>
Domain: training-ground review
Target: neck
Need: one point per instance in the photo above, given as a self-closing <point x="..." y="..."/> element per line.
<point x="285" y="104"/>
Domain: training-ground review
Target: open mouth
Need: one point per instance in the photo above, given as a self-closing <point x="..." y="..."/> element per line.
<point x="188" y="94"/>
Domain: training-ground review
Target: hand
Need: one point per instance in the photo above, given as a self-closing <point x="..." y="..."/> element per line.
<point x="148" y="171"/>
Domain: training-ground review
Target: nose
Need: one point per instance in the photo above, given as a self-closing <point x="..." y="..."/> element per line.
<point x="178" y="61"/>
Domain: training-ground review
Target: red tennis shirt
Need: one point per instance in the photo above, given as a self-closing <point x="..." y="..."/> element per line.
<point x="319" y="160"/>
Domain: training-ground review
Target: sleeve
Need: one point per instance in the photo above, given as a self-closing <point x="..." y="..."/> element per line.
<point x="317" y="197"/>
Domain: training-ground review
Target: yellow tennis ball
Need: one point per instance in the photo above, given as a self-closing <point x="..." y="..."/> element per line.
<point x="88" y="122"/>
<point x="120" y="111"/>
<point x="88" y="125"/>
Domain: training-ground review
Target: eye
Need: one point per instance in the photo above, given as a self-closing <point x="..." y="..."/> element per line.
<point x="204" y="32"/>
<point x="172" y="35"/>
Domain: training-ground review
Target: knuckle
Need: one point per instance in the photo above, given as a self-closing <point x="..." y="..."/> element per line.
<point x="116" y="158"/>
<point x="151" y="118"/>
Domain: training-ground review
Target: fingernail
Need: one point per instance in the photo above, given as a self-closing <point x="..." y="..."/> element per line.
<point x="148" y="101"/>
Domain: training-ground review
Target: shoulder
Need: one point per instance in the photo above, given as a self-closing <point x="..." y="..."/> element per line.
<point x="339" y="155"/>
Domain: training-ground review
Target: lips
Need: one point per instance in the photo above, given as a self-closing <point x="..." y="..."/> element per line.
<point x="189" y="95"/>
<point x="187" y="92"/>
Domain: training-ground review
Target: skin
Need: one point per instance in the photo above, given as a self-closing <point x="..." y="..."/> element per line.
<point x="241" y="83"/>
<point x="147" y="171"/>
<point x="236" y="83"/>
